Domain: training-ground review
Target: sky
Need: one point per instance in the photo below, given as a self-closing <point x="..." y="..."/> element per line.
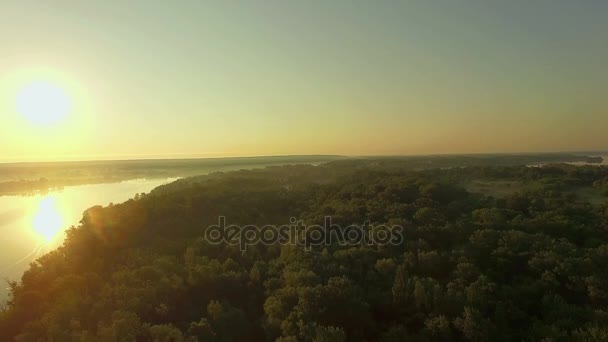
<point x="154" y="79"/>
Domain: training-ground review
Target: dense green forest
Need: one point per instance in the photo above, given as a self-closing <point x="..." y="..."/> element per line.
<point x="490" y="253"/>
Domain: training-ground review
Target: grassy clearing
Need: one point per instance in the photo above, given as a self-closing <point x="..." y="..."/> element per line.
<point x="495" y="188"/>
<point x="591" y="195"/>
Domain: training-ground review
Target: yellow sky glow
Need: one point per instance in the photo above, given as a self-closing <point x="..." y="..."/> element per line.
<point x="196" y="79"/>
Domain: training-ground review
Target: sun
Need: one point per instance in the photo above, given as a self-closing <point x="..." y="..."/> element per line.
<point x="43" y="103"/>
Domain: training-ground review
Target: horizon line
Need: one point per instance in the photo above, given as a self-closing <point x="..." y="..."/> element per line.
<point x="177" y="158"/>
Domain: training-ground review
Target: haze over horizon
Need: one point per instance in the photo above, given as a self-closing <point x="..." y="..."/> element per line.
<point x="136" y="79"/>
<point x="122" y="158"/>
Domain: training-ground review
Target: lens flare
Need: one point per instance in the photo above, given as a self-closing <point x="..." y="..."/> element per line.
<point x="47" y="221"/>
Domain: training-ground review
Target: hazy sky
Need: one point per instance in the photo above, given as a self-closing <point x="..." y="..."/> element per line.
<point x="214" y="78"/>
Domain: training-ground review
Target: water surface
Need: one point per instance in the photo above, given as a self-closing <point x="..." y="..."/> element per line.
<point x="33" y="225"/>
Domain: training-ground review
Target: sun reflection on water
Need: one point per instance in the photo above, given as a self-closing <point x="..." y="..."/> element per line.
<point x="47" y="221"/>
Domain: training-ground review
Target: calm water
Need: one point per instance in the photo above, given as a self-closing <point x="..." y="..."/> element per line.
<point x="34" y="225"/>
<point x="603" y="163"/>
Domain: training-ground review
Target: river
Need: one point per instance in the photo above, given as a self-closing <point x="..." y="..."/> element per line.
<point x="33" y="225"/>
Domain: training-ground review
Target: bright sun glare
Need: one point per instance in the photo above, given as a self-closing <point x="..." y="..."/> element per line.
<point x="43" y="103"/>
<point x="47" y="221"/>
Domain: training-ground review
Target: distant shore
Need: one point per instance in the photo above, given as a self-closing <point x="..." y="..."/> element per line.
<point x="42" y="177"/>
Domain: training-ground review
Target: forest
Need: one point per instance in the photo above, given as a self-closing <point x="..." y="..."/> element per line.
<point x="490" y="252"/>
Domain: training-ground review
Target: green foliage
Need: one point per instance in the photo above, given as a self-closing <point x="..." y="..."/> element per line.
<point x="531" y="265"/>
